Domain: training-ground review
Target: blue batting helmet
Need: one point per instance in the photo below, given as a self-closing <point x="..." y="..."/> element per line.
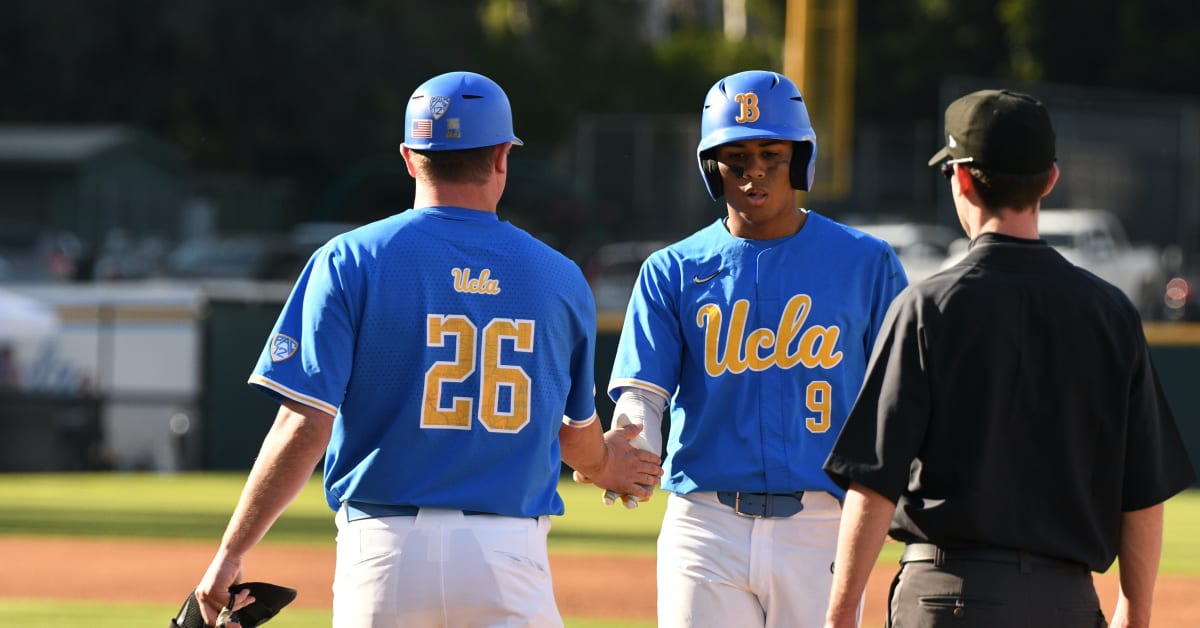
<point x="750" y="106"/>
<point x="456" y="111"/>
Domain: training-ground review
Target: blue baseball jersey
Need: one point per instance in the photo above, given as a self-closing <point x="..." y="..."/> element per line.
<point x="761" y="347"/>
<point x="449" y="346"/>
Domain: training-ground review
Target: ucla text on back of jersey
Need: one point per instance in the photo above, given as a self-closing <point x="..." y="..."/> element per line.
<point x="483" y="284"/>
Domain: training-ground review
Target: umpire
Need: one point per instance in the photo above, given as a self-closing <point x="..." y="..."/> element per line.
<point x="1011" y="430"/>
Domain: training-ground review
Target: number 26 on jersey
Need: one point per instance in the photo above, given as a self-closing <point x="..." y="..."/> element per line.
<point x="479" y="351"/>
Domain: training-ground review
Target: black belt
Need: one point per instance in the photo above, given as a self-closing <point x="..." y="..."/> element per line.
<point x="929" y="552"/>
<point x="363" y="510"/>
<point x="762" y="505"/>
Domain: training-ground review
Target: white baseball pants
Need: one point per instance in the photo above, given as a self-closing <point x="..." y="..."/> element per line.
<point x="718" y="568"/>
<point x="445" y="570"/>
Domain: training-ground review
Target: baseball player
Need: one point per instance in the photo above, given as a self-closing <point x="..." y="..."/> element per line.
<point x="757" y="329"/>
<point x="441" y="360"/>
<point x="1011" y="429"/>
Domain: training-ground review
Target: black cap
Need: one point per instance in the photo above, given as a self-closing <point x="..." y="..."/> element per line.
<point x="1000" y="131"/>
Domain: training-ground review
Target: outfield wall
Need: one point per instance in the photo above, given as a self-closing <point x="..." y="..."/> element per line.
<point x="1175" y="348"/>
<point x="236" y="331"/>
<point x="149" y="365"/>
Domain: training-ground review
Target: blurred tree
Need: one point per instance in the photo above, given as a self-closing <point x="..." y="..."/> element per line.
<point x="266" y="87"/>
<point x="906" y="47"/>
<point x="303" y="89"/>
<point x="558" y="58"/>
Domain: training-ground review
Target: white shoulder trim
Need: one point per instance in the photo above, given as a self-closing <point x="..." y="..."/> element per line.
<point x="280" y="389"/>
<point x="616" y="385"/>
<point x="572" y="423"/>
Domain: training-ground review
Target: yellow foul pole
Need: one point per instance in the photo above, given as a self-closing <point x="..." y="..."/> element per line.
<point x="818" y="54"/>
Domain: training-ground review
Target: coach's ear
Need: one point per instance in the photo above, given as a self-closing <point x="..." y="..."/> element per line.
<point x="406" y="153"/>
<point x="500" y="157"/>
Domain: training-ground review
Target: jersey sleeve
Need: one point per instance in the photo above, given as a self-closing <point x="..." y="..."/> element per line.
<point x="1157" y="464"/>
<point x="309" y="353"/>
<point x="650" y="350"/>
<point x="888" y="421"/>
<point x="890" y="281"/>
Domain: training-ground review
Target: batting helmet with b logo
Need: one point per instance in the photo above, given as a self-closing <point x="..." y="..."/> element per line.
<point x="756" y="105"/>
<point x="457" y="111"/>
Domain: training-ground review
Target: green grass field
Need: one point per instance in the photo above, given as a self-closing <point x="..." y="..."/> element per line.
<point x="197" y="506"/>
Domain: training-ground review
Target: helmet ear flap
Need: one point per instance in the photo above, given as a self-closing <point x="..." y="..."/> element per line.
<point x="802" y="157"/>
<point x="712" y="174"/>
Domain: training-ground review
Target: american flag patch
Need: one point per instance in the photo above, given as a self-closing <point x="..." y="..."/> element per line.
<point x="422" y="128"/>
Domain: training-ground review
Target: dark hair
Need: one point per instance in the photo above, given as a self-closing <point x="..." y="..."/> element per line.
<point x="471" y="165"/>
<point x="998" y="190"/>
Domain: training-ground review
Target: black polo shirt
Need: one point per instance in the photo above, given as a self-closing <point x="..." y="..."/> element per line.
<point x="1011" y="401"/>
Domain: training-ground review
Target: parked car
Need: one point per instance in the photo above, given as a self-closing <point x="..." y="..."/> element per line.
<point x="31" y="252"/>
<point x="307" y="237"/>
<point x="612" y="271"/>
<point x="123" y="255"/>
<point x="921" y="247"/>
<point x="243" y="256"/>
<point x="1095" y="240"/>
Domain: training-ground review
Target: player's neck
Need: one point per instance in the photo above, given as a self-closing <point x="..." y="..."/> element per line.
<point x="465" y="195"/>
<point x="785" y="224"/>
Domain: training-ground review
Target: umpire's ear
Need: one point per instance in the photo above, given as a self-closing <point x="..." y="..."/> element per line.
<point x="1053" y="179"/>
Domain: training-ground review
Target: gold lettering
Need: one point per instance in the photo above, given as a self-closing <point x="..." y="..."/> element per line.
<point x="709" y="319"/>
<point x="760" y="339"/>
<point x="483" y="284"/>
<point x="791" y="322"/>
<point x="735" y="361"/>
<point x="819" y="345"/>
<point x="763" y="348"/>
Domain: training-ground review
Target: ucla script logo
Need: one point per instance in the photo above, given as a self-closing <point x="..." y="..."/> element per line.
<point x="483" y="284"/>
<point x="763" y="348"/>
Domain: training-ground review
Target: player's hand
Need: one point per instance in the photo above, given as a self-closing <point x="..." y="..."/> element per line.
<point x="610" y="497"/>
<point x="641" y="442"/>
<point x="630" y="471"/>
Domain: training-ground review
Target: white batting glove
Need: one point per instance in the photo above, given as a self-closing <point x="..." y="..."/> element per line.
<point x="642" y="407"/>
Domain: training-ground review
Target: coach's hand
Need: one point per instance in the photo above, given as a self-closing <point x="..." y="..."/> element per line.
<point x="228" y="617"/>
<point x="213" y="592"/>
<point x="247" y="605"/>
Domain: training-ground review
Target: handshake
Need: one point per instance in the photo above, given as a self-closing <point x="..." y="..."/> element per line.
<point x="634" y="441"/>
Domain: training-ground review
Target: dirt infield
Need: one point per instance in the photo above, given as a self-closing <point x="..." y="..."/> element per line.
<point x="160" y="572"/>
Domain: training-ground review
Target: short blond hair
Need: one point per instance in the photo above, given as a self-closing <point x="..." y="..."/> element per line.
<point x="473" y="165"/>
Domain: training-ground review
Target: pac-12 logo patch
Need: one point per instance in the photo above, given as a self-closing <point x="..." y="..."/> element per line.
<point x="438" y="106"/>
<point x="283" y="347"/>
